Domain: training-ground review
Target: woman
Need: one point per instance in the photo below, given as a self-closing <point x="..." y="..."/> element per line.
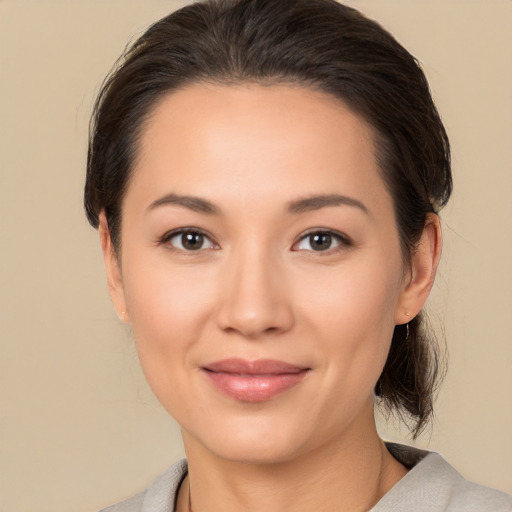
<point x="266" y="178"/>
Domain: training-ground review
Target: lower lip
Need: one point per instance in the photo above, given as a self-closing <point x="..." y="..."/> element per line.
<point x="254" y="388"/>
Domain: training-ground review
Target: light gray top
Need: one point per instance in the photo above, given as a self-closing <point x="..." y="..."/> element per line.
<point x="431" y="485"/>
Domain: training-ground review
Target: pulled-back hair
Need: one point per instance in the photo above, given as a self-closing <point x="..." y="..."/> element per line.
<point x="318" y="44"/>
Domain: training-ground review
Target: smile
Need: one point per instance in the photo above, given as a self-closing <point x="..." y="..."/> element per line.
<point x="254" y="381"/>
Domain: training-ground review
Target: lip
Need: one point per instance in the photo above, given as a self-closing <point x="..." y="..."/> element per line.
<point x="254" y="381"/>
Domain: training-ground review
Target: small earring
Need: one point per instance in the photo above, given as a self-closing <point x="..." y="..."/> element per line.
<point x="406" y="331"/>
<point x="123" y="314"/>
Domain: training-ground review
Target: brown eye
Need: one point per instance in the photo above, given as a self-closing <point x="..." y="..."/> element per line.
<point x="190" y="241"/>
<point x="321" y="241"/>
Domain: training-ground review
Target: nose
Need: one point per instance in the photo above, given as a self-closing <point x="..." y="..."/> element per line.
<point x="256" y="299"/>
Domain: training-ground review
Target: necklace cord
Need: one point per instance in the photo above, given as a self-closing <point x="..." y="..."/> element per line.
<point x="189" y="496"/>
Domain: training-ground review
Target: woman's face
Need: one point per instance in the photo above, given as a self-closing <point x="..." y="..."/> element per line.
<point x="260" y="268"/>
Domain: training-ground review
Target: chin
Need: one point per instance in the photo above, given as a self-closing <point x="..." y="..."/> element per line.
<point x="258" y="453"/>
<point x="254" y="439"/>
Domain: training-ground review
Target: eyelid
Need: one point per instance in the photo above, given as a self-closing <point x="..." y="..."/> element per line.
<point x="169" y="235"/>
<point x="343" y="240"/>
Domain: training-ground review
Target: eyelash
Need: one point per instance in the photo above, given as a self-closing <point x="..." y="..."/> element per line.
<point x="343" y="242"/>
<point x="166" y="239"/>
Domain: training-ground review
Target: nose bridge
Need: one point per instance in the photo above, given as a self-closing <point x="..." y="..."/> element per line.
<point x="255" y="299"/>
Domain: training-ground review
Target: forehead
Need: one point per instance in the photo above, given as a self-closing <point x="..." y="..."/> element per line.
<point x="279" y="140"/>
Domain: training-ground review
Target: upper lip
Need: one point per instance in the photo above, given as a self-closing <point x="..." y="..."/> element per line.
<point x="257" y="367"/>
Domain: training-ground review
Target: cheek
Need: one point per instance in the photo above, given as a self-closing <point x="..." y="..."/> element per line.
<point x="355" y="298"/>
<point x="168" y="308"/>
<point x="353" y="312"/>
<point x="166" y="311"/>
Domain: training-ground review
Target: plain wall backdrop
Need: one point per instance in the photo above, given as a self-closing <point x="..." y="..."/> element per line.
<point x="79" y="428"/>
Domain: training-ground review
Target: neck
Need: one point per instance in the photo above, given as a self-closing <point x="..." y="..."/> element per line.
<point x="348" y="473"/>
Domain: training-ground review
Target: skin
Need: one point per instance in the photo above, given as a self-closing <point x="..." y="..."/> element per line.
<point x="257" y="289"/>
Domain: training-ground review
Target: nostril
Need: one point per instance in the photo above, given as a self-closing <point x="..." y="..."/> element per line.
<point x="255" y="300"/>
<point x="265" y="323"/>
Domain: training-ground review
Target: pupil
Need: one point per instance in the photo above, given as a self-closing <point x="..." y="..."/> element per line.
<point x="192" y="241"/>
<point x="321" y="242"/>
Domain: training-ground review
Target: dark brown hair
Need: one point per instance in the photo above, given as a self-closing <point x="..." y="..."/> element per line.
<point x="319" y="44"/>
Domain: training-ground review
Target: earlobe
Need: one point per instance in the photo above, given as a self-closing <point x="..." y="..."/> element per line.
<point x="424" y="261"/>
<point x="112" y="270"/>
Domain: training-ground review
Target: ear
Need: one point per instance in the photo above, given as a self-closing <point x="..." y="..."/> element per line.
<point x="422" y="272"/>
<point x="112" y="269"/>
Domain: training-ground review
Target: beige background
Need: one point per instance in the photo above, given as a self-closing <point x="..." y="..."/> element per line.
<point x="79" y="427"/>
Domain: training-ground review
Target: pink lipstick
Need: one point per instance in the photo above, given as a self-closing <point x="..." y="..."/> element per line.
<point x="254" y="381"/>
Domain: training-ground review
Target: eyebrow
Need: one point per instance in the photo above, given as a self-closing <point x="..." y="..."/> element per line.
<point x="298" y="206"/>
<point x="193" y="203"/>
<point x="312" y="203"/>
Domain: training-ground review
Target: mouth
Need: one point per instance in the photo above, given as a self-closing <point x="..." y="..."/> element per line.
<point x="254" y="381"/>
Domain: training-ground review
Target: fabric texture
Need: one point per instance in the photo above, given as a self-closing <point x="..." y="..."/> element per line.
<point x="431" y="485"/>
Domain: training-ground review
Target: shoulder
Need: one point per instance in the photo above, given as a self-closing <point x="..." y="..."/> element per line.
<point x="434" y="485"/>
<point x="133" y="504"/>
<point x="159" y="496"/>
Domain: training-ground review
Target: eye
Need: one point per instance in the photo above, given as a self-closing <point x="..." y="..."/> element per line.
<point x="189" y="240"/>
<point x="320" y="241"/>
